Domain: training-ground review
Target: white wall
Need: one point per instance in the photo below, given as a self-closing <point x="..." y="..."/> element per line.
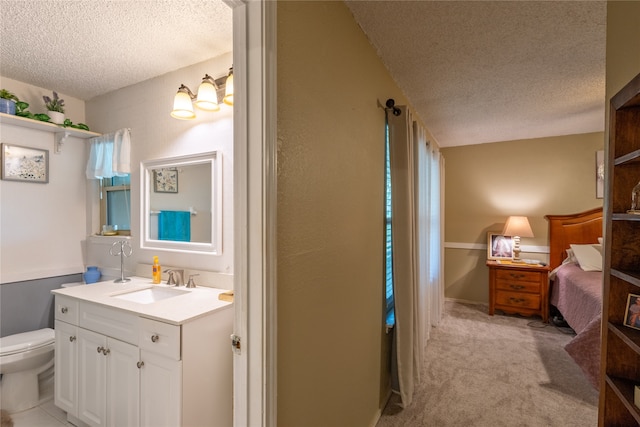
<point x="145" y="108"/>
<point x="42" y="226"/>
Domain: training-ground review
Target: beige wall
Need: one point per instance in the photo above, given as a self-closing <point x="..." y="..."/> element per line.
<point x="623" y="44"/>
<point x="332" y="351"/>
<point x="486" y="183"/>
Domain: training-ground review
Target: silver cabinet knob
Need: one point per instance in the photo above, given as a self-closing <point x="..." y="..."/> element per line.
<point x="63" y="310"/>
<point x="140" y="364"/>
<point x="154" y="338"/>
<point x="72" y="338"/>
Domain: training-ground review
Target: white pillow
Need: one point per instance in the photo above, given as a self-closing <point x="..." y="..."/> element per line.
<point x="589" y="257"/>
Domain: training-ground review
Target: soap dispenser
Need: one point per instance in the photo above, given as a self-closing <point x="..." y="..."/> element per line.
<point x="156" y="271"/>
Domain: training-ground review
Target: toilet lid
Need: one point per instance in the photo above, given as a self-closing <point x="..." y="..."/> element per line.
<point x="26" y="341"/>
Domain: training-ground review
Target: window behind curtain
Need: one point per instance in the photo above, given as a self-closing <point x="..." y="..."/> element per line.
<point x="388" y="265"/>
<point x="115" y="203"/>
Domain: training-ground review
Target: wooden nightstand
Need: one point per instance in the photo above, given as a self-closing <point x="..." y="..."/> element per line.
<point x="519" y="288"/>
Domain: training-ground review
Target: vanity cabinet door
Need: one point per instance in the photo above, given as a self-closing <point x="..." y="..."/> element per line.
<point x="66" y="362"/>
<point x="123" y="384"/>
<point x="92" y="377"/>
<point x="160" y="391"/>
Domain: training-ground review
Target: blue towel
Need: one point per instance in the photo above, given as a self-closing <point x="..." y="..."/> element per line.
<point x="174" y="225"/>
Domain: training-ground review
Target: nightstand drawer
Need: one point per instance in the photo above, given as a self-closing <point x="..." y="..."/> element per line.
<point x="517" y="299"/>
<point x="518" y="286"/>
<point x="519" y="276"/>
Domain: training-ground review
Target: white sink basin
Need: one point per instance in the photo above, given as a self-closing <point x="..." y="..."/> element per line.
<point x="149" y="295"/>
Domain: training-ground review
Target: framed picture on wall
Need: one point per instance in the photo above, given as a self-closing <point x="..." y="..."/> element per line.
<point x="499" y="246"/>
<point x="25" y="164"/>
<point x="632" y="312"/>
<point x="165" y="180"/>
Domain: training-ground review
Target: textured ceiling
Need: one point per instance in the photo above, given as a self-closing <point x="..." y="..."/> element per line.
<point x="85" y="48"/>
<point x="475" y="71"/>
<point x="488" y="71"/>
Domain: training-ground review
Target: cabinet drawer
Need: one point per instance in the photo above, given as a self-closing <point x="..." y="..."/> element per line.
<point x="518" y="286"/>
<point x="515" y="275"/>
<point x="159" y="337"/>
<point x="109" y="321"/>
<point x="66" y="309"/>
<point x="518" y="299"/>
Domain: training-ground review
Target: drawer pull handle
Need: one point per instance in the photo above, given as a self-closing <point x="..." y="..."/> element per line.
<point x="517" y="300"/>
<point x="100" y="349"/>
<point x="517" y="287"/>
<point x="140" y="364"/>
<point x="72" y="338"/>
<point x="517" y="276"/>
<point x="64" y="310"/>
<point x="154" y="338"/>
<point x="106" y="351"/>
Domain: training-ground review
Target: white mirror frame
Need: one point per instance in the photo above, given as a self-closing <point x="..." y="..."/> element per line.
<point x="146" y="184"/>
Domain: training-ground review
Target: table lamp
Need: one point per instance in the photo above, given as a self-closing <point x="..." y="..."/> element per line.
<point x="517" y="227"/>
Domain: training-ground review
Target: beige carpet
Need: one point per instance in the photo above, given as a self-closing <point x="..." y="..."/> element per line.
<point x="483" y="370"/>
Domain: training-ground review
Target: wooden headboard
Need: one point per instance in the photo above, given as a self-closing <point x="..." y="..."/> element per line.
<point x="580" y="228"/>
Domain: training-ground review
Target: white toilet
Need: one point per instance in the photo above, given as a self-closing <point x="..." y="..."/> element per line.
<point x="23" y="358"/>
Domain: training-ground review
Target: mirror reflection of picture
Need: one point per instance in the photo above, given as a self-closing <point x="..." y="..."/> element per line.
<point x="165" y="180"/>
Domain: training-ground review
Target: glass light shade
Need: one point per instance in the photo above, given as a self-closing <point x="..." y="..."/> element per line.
<point x="228" y="91"/>
<point x="207" y="97"/>
<point x="182" y="107"/>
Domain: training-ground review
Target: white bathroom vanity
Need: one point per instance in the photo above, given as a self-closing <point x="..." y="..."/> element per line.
<point x="138" y="354"/>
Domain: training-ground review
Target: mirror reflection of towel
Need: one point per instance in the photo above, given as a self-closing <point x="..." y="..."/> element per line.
<point x="174" y="225"/>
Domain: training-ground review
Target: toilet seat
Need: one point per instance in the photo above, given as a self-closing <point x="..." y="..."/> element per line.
<point x="32" y="340"/>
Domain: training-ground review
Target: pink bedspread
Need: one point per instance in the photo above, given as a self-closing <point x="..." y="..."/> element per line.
<point x="578" y="296"/>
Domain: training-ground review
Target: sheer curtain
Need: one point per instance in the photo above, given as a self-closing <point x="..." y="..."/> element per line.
<point x="417" y="246"/>
<point x="110" y="155"/>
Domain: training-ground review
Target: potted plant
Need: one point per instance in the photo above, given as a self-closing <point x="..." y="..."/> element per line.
<point x="55" y="108"/>
<point x="7" y="102"/>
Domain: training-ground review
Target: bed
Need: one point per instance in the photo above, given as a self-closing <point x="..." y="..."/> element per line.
<point x="576" y="293"/>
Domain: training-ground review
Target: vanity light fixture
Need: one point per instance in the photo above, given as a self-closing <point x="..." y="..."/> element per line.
<point x="517" y="227"/>
<point x="228" y="90"/>
<point x="206" y="99"/>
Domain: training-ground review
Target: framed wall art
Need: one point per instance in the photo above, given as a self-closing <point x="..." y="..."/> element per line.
<point x="25" y="164"/>
<point x="165" y="180"/>
<point x="499" y="246"/>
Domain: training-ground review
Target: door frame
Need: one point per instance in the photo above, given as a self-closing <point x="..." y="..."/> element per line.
<point x="255" y="197"/>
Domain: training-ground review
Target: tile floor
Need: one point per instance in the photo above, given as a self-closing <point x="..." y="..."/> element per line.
<point x="45" y="415"/>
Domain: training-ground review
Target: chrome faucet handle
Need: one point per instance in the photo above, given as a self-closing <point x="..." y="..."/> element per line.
<point x="191" y="283"/>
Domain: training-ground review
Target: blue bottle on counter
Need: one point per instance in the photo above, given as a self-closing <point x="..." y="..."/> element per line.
<point x="92" y="275"/>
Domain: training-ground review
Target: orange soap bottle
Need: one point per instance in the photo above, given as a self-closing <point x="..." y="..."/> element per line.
<point x="156" y="271"/>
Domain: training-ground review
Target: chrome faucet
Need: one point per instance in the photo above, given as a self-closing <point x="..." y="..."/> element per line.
<point x="191" y="283"/>
<point x="175" y="277"/>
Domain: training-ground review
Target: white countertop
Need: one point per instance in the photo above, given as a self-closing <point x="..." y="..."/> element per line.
<point x="195" y="302"/>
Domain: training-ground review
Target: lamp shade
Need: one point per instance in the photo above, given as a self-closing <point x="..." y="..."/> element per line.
<point x="207" y="97"/>
<point x="228" y="91"/>
<point x="182" y="106"/>
<point x="517" y="226"/>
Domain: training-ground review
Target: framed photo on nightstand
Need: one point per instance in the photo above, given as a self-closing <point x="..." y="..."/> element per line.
<point x="499" y="246"/>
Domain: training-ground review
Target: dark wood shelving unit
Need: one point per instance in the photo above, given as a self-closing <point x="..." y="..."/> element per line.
<point x="620" y="343"/>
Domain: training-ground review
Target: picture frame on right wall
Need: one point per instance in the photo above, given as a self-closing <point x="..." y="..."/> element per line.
<point x="599" y="174"/>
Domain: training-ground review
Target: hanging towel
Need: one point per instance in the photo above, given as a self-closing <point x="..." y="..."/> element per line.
<point x="174" y="225"/>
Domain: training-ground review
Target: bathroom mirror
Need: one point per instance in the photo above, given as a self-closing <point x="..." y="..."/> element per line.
<point x="181" y="208"/>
